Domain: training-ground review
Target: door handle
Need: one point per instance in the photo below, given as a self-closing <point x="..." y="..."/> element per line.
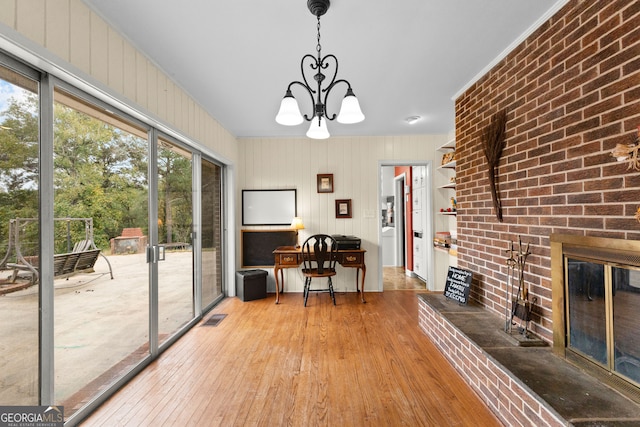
<point x="155" y="254"/>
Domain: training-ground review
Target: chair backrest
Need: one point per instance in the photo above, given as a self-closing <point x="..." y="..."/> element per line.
<point x="82" y="246"/>
<point x="319" y="251"/>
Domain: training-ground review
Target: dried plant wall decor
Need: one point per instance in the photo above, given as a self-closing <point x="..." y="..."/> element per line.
<point x="493" y="142"/>
<point x="629" y="152"/>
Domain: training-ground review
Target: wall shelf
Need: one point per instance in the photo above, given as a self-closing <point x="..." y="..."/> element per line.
<point x="449" y="145"/>
<point x="445" y="256"/>
<point x="450" y="165"/>
<point x="451" y="251"/>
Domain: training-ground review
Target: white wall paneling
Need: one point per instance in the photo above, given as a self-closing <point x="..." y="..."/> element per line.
<point x="76" y="45"/>
<point x="354" y="163"/>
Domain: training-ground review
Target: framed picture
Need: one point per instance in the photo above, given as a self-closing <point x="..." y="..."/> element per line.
<point x="325" y="183"/>
<point x="343" y="208"/>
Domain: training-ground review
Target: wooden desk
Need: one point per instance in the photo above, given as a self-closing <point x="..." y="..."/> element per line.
<point x="290" y="257"/>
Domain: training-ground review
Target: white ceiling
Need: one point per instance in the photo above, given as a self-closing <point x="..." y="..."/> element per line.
<point x="402" y="57"/>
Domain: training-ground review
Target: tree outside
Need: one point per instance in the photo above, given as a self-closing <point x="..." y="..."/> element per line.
<point x="100" y="173"/>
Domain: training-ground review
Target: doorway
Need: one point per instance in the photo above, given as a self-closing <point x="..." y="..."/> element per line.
<point x="400" y="241"/>
<point x="401" y="186"/>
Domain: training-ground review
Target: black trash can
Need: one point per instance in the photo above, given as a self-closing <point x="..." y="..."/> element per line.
<point x="251" y="284"/>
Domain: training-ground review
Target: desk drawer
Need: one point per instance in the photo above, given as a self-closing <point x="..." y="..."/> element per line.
<point x="288" y="259"/>
<point x="351" y="259"/>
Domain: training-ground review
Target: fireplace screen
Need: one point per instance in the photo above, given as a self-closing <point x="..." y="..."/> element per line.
<point x="603" y="315"/>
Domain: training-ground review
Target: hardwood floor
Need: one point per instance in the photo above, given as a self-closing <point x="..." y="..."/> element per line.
<point x="264" y="364"/>
<point x="395" y="278"/>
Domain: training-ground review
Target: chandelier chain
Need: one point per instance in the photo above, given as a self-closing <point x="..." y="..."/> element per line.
<point x="318" y="47"/>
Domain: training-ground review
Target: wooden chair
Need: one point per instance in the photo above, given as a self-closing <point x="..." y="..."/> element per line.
<point x="318" y="261"/>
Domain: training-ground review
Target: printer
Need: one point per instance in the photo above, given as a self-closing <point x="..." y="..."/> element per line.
<point x="346" y="242"/>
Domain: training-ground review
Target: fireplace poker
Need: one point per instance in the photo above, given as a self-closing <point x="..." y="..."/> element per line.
<point x="514" y="304"/>
<point x="511" y="262"/>
<point x="522" y="260"/>
<point x="522" y="295"/>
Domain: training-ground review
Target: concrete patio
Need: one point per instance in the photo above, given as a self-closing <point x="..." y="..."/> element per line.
<point x="101" y="325"/>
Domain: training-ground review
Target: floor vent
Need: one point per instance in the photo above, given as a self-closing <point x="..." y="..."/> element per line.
<point x="214" y="320"/>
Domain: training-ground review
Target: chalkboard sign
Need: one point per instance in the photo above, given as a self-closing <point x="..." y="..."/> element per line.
<point x="458" y="284"/>
<point x="258" y="246"/>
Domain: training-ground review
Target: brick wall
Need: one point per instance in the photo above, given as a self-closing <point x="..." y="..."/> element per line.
<point x="571" y="91"/>
<point x="507" y="397"/>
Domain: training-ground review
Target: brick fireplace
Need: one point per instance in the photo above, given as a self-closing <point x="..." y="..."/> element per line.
<point x="572" y="92"/>
<point x="595" y="349"/>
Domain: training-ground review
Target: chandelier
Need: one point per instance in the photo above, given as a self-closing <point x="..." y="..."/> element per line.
<point x="289" y="113"/>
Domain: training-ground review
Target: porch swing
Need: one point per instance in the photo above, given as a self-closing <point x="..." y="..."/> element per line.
<point x="80" y="259"/>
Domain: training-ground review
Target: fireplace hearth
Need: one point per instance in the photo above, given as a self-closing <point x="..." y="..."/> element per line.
<point x="521" y="385"/>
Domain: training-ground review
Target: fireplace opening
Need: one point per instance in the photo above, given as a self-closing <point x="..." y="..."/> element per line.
<point x="596" y="301"/>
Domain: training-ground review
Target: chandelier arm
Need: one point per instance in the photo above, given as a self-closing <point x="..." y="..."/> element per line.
<point x="325" y="65"/>
<point x="326" y="95"/>
<point x="314" y="66"/>
<point x="317" y="65"/>
<point x="309" y="91"/>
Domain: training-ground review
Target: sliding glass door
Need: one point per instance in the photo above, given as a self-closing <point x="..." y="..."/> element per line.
<point x="19" y="237"/>
<point x="211" y="217"/>
<point x="111" y="242"/>
<point x="101" y="193"/>
<point x="175" y="238"/>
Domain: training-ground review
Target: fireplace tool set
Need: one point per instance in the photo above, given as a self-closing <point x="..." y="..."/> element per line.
<point x="520" y="303"/>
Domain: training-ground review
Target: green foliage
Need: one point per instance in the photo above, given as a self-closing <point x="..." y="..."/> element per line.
<point x="19" y="171"/>
<point x="174" y="196"/>
<point x="19" y="145"/>
<point x="100" y="172"/>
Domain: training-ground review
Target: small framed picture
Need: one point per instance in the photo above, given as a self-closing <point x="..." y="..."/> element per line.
<point x="325" y="183"/>
<point x="343" y="208"/>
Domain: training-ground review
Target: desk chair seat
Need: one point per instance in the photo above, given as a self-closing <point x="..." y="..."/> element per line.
<point x="319" y="261"/>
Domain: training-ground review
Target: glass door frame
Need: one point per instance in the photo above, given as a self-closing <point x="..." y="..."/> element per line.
<point x="154" y="242"/>
<point x="47" y="84"/>
<point x="47" y="250"/>
<point x="224" y="227"/>
<point x="45" y="214"/>
<point x="47" y="326"/>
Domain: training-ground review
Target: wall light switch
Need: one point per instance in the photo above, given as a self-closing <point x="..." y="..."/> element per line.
<point x="369" y="213"/>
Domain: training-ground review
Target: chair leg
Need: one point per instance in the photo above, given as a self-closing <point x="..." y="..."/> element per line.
<point x="333" y="296"/>
<point x="307" y="284"/>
